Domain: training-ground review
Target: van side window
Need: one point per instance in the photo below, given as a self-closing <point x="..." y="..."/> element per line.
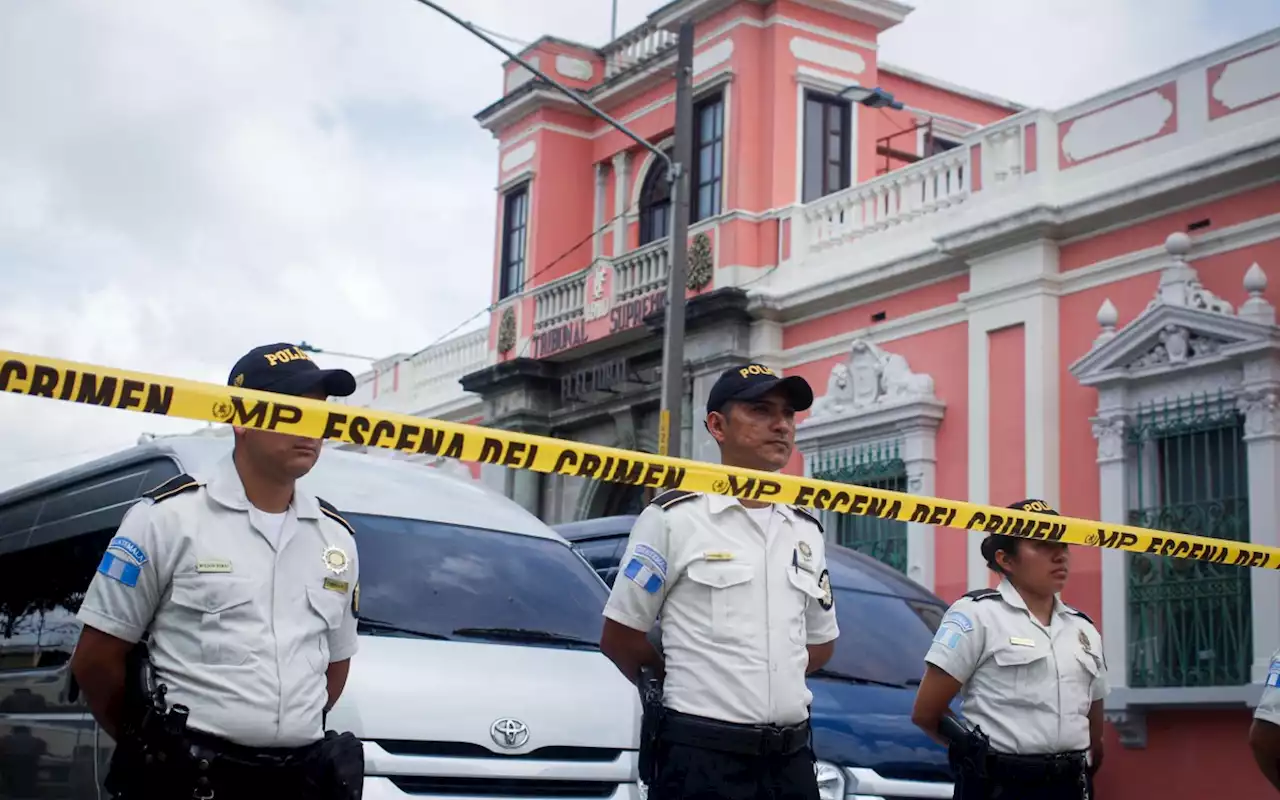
<point x="603" y="555"/>
<point x="40" y="594"/>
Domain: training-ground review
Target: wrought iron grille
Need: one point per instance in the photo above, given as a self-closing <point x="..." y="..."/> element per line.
<point x="878" y="466"/>
<point x="1189" y="621"/>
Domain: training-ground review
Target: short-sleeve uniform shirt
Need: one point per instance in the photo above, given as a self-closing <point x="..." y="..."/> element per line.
<point x="741" y="593"/>
<point x="1027" y="685"/>
<point x="245" y="610"/>
<point x="1268" y="709"/>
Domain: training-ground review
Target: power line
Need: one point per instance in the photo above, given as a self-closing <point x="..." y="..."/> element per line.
<point x="493" y="306"/>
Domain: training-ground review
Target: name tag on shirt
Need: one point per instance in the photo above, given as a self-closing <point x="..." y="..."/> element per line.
<point x="717" y="556"/>
<point x="333" y="584"/>
<point x="1020" y="642"/>
<point x="213" y="565"/>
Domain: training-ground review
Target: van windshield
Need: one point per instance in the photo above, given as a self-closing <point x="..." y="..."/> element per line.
<point x="455" y="582"/>
<point x="883" y="638"/>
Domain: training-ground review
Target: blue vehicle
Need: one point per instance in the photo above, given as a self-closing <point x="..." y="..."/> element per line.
<point x="866" y="744"/>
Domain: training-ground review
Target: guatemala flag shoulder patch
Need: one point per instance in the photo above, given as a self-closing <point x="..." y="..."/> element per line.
<point x="123" y="561"/>
<point x="640" y="574"/>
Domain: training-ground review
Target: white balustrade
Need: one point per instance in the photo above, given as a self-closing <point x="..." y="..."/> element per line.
<point x="427" y="380"/>
<point x="560" y="301"/>
<point x="635" y="47"/>
<point x="641" y="271"/>
<point x="925" y="187"/>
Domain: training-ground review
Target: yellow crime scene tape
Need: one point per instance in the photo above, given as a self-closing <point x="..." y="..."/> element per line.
<point x="89" y="384"/>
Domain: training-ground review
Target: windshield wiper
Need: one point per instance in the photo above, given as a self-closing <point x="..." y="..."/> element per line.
<point x="847" y="678"/>
<point x="378" y="626"/>
<point x="524" y="635"/>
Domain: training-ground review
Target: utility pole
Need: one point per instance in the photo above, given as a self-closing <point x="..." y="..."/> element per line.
<point x="613" y="26"/>
<point x="673" y="331"/>
<point x="677" y="173"/>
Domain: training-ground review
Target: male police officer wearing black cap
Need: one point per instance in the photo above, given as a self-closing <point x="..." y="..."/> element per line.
<point x="746" y="607"/>
<point x="245" y="587"/>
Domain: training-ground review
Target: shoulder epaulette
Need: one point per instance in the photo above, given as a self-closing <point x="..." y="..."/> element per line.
<point x="668" y="499"/>
<point x="332" y="513"/>
<point x="809" y="515"/>
<point x="1081" y="615"/>
<point x="172" y="487"/>
<point x="982" y="594"/>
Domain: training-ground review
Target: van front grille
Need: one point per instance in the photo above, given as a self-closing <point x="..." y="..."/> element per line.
<point x="501" y="787"/>
<point x="409" y="747"/>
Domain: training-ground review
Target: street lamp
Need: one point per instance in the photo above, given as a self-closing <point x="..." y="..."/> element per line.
<point x="308" y="348"/>
<point x="874" y="97"/>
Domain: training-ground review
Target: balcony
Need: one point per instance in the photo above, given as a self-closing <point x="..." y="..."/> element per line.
<point x="638" y="46"/>
<point x="426" y="383"/>
<point x="635" y="274"/>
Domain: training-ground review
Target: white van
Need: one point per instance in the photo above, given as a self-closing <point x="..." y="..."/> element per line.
<point x="479" y="673"/>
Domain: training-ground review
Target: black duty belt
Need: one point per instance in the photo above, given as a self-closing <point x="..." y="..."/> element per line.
<point x="730" y="737"/>
<point x="1054" y="767"/>
<point x="231" y="754"/>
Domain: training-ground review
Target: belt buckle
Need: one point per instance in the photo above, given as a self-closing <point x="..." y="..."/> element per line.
<point x="774" y="739"/>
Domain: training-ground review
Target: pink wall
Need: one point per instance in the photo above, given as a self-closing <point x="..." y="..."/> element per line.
<point x="895" y="306"/>
<point x="1222" y="213"/>
<point x="1188" y="754"/>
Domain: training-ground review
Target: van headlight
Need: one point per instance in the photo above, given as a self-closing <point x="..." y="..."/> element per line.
<point x="830" y="781"/>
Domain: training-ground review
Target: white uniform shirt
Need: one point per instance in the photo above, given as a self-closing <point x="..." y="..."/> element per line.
<point x="1028" y="686"/>
<point x="739" y="604"/>
<point x="1269" y="706"/>
<point x="244" y="622"/>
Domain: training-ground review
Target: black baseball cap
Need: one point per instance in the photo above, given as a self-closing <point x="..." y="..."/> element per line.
<point x="285" y="369"/>
<point x="1034" y="506"/>
<point x="751" y="381"/>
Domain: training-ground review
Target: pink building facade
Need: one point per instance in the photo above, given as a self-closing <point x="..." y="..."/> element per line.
<point x="992" y="302"/>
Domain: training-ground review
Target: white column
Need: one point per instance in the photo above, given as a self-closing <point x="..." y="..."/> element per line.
<point x="597" y="241"/>
<point x="621" y="196"/>
<point x="1262" y="438"/>
<point x="920" y="457"/>
<point x="1113" y="507"/>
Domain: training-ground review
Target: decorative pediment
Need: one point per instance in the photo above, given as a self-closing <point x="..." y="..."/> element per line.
<point x="1185" y="326"/>
<point x="872" y="389"/>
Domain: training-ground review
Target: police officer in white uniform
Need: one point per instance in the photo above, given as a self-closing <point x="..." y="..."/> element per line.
<point x="742" y="590"/>
<point x="1264" y="734"/>
<point x="1031" y="675"/>
<point x="245" y="587"/>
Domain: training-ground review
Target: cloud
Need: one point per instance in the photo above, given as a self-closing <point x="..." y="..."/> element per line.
<point x="180" y="182"/>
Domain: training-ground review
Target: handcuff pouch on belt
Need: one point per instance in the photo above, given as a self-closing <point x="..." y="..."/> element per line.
<point x="650" y="686"/>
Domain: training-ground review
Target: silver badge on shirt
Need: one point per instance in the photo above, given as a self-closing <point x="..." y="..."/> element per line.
<point x="335" y="558"/>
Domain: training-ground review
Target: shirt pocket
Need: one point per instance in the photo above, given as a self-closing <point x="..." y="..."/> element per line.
<point x="729" y="588"/>
<point x="1024" y="676"/>
<point x="327" y="607"/>
<point x="221" y="610"/>
<point x="807" y="591"/>
<point x="1079" y="675"/>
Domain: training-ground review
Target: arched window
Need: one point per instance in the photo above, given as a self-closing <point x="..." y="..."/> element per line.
<point x="655" y="203"/>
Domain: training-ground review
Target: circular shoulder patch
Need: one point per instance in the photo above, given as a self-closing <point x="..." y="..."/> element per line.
<point x="824" y="583"/>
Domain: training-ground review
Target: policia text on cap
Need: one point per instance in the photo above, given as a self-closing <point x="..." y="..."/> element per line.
<point x="243" y="588"/>
<point x="732" y="717"/>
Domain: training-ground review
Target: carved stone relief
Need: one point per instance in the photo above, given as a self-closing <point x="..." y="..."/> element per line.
<point x="1177" y="345"/>
<point x="1110" y="436"/>
<point x="871" y="377"/>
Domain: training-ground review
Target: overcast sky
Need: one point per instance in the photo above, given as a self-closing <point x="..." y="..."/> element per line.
<point x="312" y="167"/>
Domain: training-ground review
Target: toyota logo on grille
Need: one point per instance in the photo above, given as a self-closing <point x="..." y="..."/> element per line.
<point x="509" y="733"/>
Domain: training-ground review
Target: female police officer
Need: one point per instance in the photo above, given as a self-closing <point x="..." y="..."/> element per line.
<point x="1031" y="675"/>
